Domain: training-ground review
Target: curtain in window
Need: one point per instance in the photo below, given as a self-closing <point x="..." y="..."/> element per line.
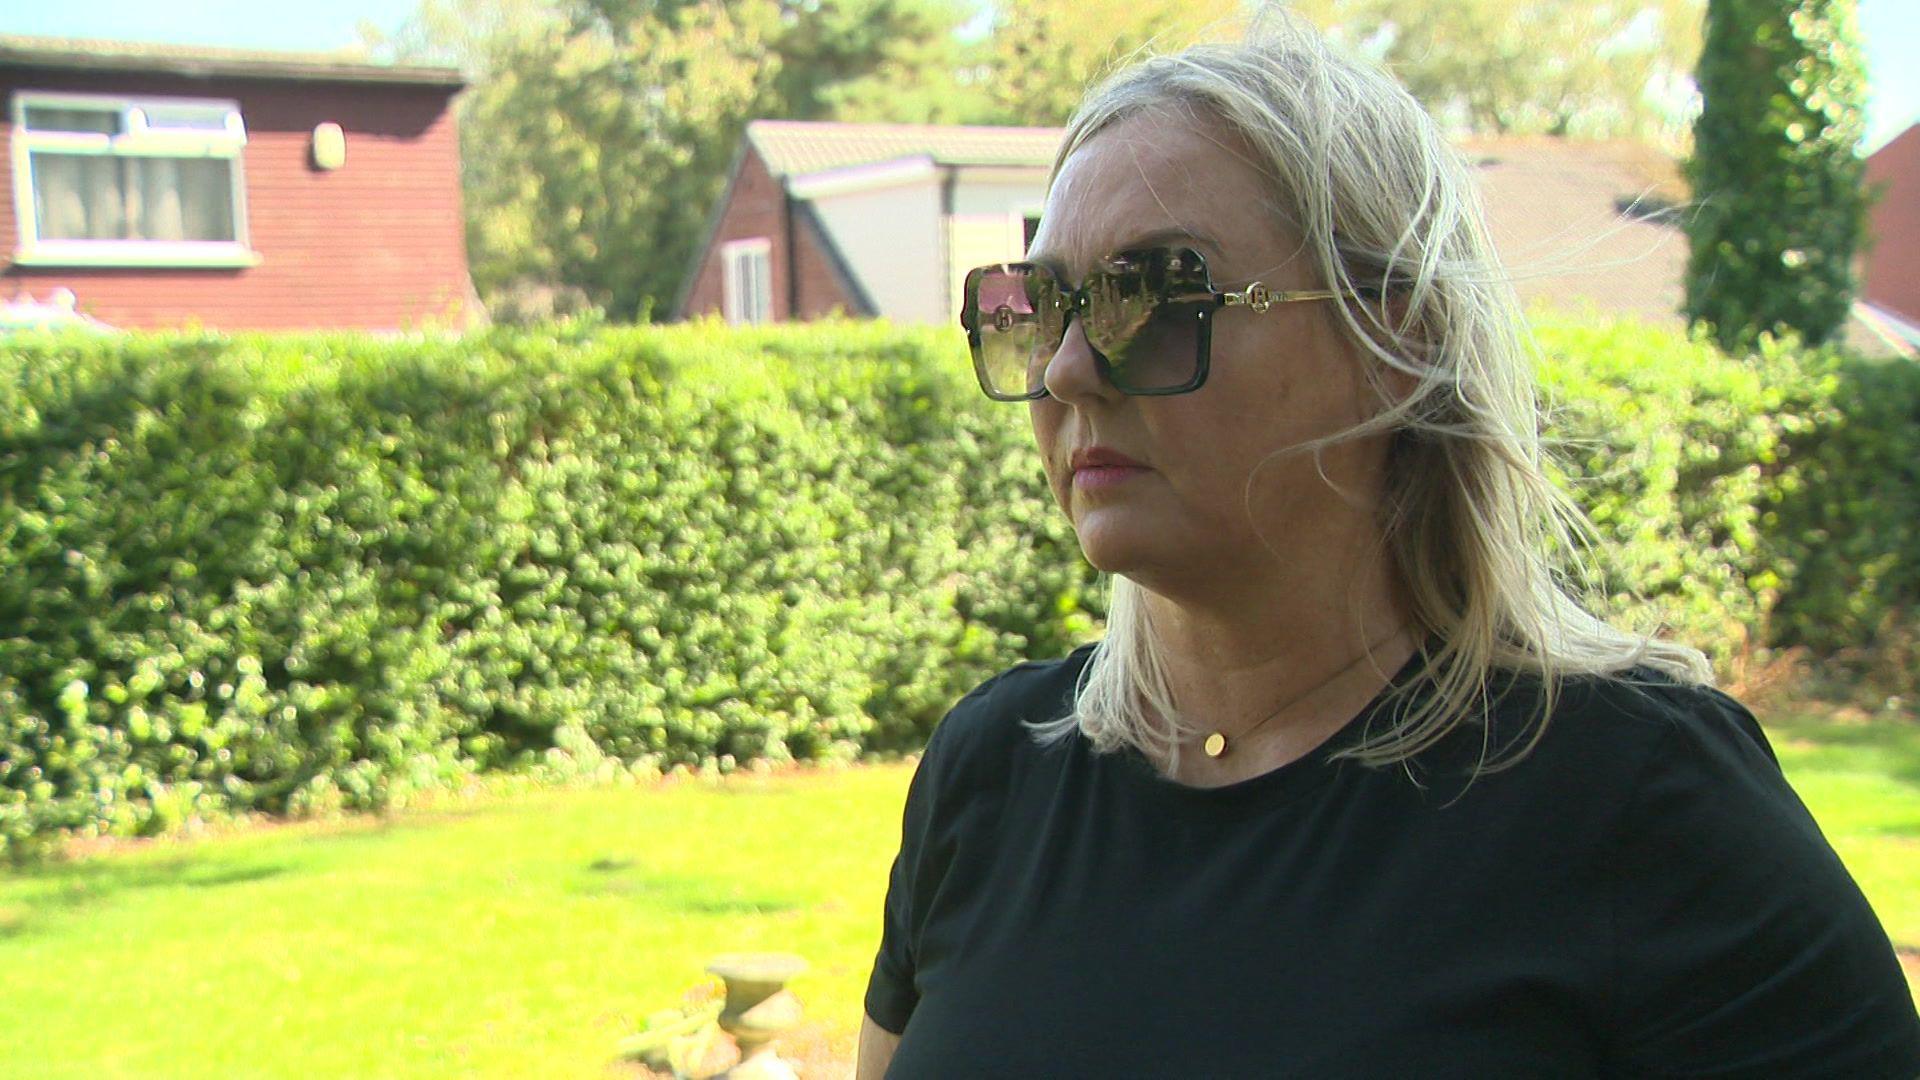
<point x="756" y="278"/>
<point x="93" y="197"/>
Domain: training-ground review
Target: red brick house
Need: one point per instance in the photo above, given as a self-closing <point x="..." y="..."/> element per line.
<point x="886" y="219"/>
<point x="236" y="190"/>
<point x="1892" y="280"/>
<point x="865" y="219"/>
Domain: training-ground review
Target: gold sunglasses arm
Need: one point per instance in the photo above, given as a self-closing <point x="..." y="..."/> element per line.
<point x="1258" y="297"/>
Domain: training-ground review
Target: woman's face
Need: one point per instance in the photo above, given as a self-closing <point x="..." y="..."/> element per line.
<point x="1210" y="487"/>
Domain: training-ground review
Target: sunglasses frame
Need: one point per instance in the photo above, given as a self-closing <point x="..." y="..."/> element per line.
<point x="1256" y="297"/>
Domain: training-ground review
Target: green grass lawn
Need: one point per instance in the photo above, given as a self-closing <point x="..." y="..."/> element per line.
<point x="523" y="937"/>
<point x="526" y="935"/>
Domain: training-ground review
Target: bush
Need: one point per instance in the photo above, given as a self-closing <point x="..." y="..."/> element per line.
<point x="298" y="573"/>
<point x="1842" y="523"/>
<point x="293" y="573"/>
<point x="1669" y="446"/>
<point x="1765" y="499"/>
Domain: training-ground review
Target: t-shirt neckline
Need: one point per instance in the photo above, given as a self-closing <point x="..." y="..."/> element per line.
<point x="1296" y="777"/>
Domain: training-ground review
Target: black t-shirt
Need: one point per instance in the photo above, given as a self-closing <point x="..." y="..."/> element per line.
<point x="1642" y="895"/>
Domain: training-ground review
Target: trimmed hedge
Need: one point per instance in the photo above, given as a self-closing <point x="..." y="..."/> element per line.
<point x="294" y="573"/>
<point x="1770" y="499"/>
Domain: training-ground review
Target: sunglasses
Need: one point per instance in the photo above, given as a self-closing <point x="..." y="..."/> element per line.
<point x="1148" y="315"/>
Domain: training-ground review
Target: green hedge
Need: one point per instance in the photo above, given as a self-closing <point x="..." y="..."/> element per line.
<point x="294" y="573"/>
<point x="1769" y="499"/>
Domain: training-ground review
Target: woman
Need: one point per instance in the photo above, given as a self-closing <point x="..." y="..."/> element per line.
<point x="1352" y="787"/>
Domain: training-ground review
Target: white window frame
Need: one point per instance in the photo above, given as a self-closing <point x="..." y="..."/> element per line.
<point x="136" y="139"/>
<point x="739" y="308"/>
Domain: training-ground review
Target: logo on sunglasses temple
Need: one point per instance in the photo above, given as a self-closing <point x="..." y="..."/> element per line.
<point x="1257" y="297"/>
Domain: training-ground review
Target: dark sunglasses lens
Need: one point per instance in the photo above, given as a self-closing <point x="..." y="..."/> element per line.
<point x="1144" y="315"/>
<point x="1017" y="321"/>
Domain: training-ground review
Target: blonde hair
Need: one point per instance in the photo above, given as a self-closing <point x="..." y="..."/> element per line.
<point x="1487" y="547"/>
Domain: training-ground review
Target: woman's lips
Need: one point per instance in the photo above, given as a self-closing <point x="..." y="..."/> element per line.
<point x="1098" y="467"/>
<point x="1095" y="477"/>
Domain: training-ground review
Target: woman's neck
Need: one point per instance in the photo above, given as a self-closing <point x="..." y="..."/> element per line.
<point x="1297" y="655"/>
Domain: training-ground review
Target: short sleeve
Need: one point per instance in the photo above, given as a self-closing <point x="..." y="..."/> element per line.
<point x="1743" y="947"/>
<point x="891" y="993"/>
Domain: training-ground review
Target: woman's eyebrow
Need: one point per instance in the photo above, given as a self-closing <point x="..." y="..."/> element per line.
<point x="1155" y="238"/>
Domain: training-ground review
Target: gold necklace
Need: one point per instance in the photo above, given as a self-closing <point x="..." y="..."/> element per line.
<point x="1216" y="745"/>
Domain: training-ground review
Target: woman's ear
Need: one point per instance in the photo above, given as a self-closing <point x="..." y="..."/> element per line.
<point x="1400" y="384"/>
<point x="1386" y="322"/>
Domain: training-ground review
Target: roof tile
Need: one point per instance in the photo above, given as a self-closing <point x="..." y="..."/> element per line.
<point x="87" y="54"/>
<point x="793" y="147"/>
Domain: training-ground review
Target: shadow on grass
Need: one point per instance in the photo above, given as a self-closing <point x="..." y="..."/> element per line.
<point x="65" y="887"/>
<point x="1888" y="747"/>
<point x="678" y="892"/>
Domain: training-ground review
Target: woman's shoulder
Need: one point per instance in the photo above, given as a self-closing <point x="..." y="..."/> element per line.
<point x="1736" y="926"/>
<point x="991" y="719"/>
<point x="1606" y="734"/>
<point x="1653" y="712"/>
<point x="1699" y="752"/>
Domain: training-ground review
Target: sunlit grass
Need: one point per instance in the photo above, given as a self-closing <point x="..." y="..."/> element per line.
<point x="525" y="935"/>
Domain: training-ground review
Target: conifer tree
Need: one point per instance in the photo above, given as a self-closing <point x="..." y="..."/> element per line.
<point x="1779" y="211"/>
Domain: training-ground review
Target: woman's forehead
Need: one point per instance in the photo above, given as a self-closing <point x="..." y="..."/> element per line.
<point x="1148" y="182"/>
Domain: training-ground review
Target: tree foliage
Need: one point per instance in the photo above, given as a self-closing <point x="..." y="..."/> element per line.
<point x="1780" y="210"/>
<point x="1043" y="55"/>
<point x="1594" y="68"/>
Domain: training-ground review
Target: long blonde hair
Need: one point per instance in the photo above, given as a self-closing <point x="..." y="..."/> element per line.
<point x="1487" y="547"/>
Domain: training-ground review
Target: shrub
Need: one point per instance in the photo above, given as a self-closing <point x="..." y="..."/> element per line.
<point x="289" y="573"/>
<point x="298" y="573"/>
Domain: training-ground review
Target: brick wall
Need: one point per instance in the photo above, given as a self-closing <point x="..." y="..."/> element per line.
<point x="756" y="208"/>
<point x="824" y="290"/>
<point x="378" y="244"/>
<point x="1893" y="257"/>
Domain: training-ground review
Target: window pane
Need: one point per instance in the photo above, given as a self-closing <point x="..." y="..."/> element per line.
<point x="762" y="286"/>
<point x="89" y="121"/>
<point x="734" y="299"/>
<point x="186" y="117"/>
<point x="180" y="199"/>
<point x="77" y="197"/>
<point x="93" y="197"/>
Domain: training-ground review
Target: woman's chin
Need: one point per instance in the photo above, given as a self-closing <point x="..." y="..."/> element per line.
<point x="1118" y="547"/>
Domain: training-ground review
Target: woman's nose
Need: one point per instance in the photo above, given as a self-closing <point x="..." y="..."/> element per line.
<point x="1073" y="373"/>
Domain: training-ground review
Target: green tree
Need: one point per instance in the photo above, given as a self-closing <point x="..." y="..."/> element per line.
<point x="606" y="145"/>
<point x="462" y="33"/>
<point x="1779" y="207"/>
<point x="1042" y="55"/>
<point x="894" y="61"/>
<point x="1590" y="68"/>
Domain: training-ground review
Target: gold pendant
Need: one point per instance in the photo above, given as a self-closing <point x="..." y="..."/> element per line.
<point x="1216" y="744"/>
